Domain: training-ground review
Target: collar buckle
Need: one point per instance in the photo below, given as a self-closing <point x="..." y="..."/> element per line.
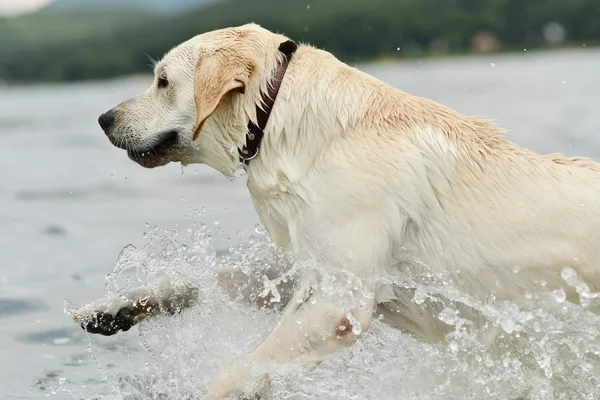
<point x="244" y="157"/>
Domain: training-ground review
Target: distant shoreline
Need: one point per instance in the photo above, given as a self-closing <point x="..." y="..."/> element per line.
<point x="384" y="59"/>
<point x="500" y="52"/>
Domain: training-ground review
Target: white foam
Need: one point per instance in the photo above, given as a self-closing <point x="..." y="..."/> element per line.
<point x="549" y="348"/>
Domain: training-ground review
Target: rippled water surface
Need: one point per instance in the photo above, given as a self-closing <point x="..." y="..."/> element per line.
<point x="73" y="209"/>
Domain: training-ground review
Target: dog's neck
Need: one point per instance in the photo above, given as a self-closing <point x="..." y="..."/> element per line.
<point x="234" y="132"/>
<point x="298" y="127"/>
<point x="314" y="108"/>
<point x="256" y="131"/>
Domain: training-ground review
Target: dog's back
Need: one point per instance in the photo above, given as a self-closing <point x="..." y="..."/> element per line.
<point x="451" y="194"/>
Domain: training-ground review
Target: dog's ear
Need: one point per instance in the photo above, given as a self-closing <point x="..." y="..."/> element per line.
<point x="215" y="76"/>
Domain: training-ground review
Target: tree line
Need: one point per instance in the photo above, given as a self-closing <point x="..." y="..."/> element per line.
<point x="354" y="30"/>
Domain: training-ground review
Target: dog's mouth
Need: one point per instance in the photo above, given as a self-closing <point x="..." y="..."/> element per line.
<point x="159" y="153"/>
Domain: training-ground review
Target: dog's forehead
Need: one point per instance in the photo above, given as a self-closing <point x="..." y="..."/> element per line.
<point x="179" y="57"/>
<point x="187" y="53"/>
<point x="182" y="57"/>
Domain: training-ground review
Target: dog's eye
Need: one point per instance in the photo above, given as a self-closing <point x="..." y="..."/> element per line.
<point x="162" y="82"/>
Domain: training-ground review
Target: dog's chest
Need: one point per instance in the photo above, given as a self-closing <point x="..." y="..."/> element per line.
<point x="277" y="207"/>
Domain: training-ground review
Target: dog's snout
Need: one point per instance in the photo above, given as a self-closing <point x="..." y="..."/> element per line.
<point x="107" y="120"/>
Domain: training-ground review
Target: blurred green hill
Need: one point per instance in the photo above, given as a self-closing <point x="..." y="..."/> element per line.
<point x="82" y="44"/>
<point x="158" y="6"/>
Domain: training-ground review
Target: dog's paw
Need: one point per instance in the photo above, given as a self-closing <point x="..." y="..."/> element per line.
<point x="110" y="315"/>
<point x="107" y="324"/>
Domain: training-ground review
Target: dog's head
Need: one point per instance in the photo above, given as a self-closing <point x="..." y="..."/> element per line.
<point x="203" y="93"/>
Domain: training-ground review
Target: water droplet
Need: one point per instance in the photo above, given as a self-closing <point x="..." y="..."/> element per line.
<point x="397" y="48"/>
<point x="492" y="65"/>
<point x="568" y="274"/>
<point x="453" y="346"/>
<point x="217" y="222"/>
<point x="420" y="296"/>
<point x="559" y="295"/>
<point x="308" y="6"/>
<point x="449" y="316"/>
<point x="508" y="325"/>
<point x="594" y="349"/>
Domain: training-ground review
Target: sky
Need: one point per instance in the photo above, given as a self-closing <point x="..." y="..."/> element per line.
<point x="9" y="7"/>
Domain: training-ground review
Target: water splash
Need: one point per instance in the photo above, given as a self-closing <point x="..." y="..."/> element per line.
<point x="540" y="347"/>
<point x="183" y="168"/>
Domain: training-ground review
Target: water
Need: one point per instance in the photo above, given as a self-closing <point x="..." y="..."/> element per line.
<point x="70" y="203"/>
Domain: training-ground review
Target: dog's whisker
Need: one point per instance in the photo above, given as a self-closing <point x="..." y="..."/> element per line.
<point x="127" y="147"/>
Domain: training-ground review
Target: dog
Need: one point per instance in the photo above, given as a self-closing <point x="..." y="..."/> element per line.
<point x="371" y="181"/>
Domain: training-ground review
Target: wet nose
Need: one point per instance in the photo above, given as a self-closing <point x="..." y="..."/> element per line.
<point x="106" y="120"/>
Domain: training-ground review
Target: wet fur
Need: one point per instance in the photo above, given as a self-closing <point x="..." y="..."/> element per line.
<point x="373" y="182"/>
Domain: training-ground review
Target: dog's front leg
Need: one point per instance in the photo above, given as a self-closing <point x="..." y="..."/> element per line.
<point x="313" y="327"/>
<point x="120" y="311"/>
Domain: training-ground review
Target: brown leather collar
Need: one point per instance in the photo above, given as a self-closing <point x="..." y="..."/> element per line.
<point x="255" y="132"/>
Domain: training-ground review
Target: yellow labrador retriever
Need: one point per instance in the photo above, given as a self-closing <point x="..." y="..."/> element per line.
<point x="371" y="181"/>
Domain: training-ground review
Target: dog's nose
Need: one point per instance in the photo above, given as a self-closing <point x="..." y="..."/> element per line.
<point x="106" y="120"/>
